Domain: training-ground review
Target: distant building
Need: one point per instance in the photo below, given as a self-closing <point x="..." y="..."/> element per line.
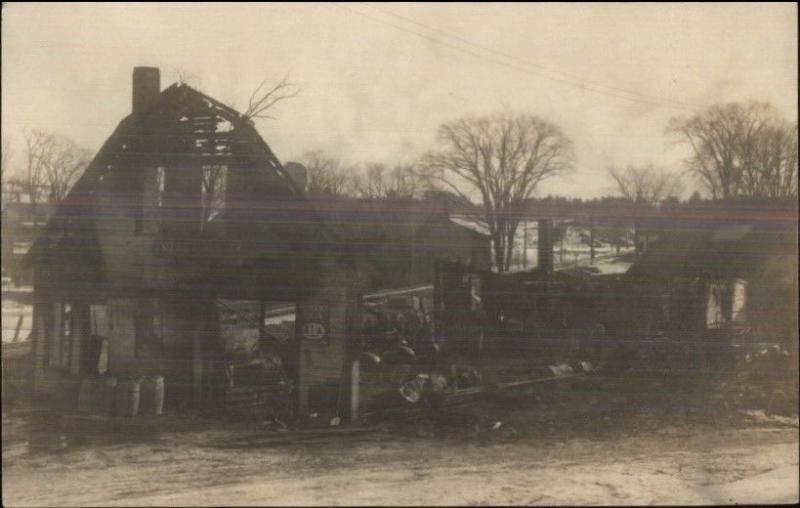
<point x="21" y="223"/>
<point x="712" y="279"/>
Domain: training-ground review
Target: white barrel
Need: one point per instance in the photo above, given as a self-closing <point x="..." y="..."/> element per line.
<point x="126" y="402"/>
<point x="151" y="400"/>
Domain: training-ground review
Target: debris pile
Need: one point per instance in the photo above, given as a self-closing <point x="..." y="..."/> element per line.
<point x="764" y="378"/>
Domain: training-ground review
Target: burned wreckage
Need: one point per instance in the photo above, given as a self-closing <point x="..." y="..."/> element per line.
<point x="183" y="208"/>
<point x="164" y="266"/>
<point x="187" y="267"/>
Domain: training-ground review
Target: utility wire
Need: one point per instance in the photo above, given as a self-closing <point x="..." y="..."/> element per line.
<point x="579" y="80"/>
<point x="564" y="79"/>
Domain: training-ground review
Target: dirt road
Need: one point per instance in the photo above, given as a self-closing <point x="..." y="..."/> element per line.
<point x="618" y="463"/>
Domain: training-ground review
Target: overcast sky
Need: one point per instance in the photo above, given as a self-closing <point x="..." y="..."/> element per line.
<point x="377" y="80"/>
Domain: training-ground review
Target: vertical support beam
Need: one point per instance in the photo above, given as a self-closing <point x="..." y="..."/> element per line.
<point x="591" y="239"/>
<point x="302" y="394"/>
<point x="41" y="308"/>
<point x="122" y="359"/>
<point x="355" y="380"/>
<point x="81" y="328"/>
<point x="66" y="334"/>
<point x="179" y="346"/>
<point x="197" y="367"/>
<point x="545" y="245"/>
<point x="55" y="334"/>
<point x="437" y="300"/>
<point x="262" y="310"/>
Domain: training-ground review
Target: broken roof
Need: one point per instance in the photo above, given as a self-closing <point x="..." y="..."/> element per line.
<point x="180" y="126"/>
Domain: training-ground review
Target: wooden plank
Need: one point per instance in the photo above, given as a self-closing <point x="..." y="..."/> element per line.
<point x="462" y="395"/>
<point x="18" y="327"/>
<point x="293" y="436"/>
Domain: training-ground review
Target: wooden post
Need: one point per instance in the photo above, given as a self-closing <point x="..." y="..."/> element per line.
<point x="81" y="329"/>
<point x="437" y="300"/>
<point x="302" y="396"/>
<point x="41" y="308"/>
<point x="262" y="310"/>
<point x="55" y="334"/>
<point x="197" y="367"/>
<point x="66" y="335"/>
<point x="355" y="380"/>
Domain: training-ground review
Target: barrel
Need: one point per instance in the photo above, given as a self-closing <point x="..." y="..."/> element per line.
<point x="126" y="402"/>
<point x="152" y="396"/>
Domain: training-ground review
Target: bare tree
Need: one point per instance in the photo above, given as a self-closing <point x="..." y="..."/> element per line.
<point x="772" y="170"/>
<point x="5" y="166"/>
<point x="324" y="174"/>
<point x="741" y="149"/>
<point x="376" y="181"/>
<point x="501" y="159"/>
<point x="52" y="163"/>
<point x="6" y="157"/>
<point x="263" y="99"/>
<point x="39" y="147"/>
<point x="645" y="184"/>
<point x="65" y="164"/>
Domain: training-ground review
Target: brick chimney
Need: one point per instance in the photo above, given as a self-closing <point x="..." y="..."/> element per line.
<point x="146" y="87"/>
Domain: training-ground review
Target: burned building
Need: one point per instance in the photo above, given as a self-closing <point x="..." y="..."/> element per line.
<point x="715" y="283"/>
<point x="185" y="204"/>
<point x="396" y="242"/>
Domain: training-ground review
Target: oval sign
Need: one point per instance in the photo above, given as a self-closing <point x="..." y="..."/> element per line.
<point x="313" y="331"/>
